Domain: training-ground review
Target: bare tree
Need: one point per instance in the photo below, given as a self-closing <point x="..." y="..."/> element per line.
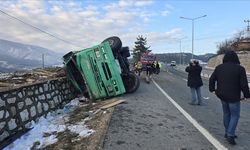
<point x="240" y="42"/>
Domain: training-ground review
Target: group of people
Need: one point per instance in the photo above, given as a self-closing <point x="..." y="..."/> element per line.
<point x="150" y="68"/>
<point x="227" y="82"/>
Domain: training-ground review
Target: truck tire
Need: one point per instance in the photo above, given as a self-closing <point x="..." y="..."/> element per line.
<point x="131" y="82"/>
<point x="115" y="43"/>
<point x="125" y="52"/>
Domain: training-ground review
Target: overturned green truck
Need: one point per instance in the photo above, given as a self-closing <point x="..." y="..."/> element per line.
<point x="101" y="71"/>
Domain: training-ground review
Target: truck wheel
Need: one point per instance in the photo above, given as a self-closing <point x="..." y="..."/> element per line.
<point x="115" y="43"/>
<point x="125" y="52"/>
<point x="131" y="82"/>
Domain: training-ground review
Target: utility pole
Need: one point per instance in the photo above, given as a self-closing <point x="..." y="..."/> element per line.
<point x="180" y="52"/>
<point x="181" y="49"/>
<point x="43" y="59"/>
<point x="183" y="57"/>
<point x="248" y="27"/>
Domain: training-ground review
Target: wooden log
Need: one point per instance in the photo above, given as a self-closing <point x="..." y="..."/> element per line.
<point x="112" y="104"/>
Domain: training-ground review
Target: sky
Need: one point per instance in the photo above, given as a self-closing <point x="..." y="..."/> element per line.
<point x="79" y="24"/>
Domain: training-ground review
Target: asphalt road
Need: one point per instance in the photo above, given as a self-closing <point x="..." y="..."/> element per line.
<point x="150" y="121"/>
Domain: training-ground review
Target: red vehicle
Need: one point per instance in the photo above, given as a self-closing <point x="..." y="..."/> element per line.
<point x="147" y="58"/>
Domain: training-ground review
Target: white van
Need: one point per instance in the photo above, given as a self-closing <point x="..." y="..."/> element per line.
<point x="173" y="63"/>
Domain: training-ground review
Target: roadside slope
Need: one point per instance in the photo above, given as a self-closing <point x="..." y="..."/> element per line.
<point x="244" y="60"/>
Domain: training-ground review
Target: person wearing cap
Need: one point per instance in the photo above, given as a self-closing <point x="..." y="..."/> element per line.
<point x="195" y="81"/>
<point x="228" y="81"/>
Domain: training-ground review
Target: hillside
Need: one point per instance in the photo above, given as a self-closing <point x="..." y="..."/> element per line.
<point x="168" y="57"/>
<point x="17" y="56"/>
<point x="243" y="56"/>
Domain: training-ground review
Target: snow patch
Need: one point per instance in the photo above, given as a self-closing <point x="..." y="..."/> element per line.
<point x="44" y="132"/>
<point x="80" y="129"/>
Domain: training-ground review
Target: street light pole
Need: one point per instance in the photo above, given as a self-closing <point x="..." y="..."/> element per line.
<point x="192" y="38"/>
<point x="180" y="49"/>
<point x="193" y="19"/>
<point x="43" y="59"/>
<point x="180" y="52"/>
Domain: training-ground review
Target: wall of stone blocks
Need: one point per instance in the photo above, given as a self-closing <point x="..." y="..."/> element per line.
<point x="18" y="107"/>
<point x="243" y="57"/>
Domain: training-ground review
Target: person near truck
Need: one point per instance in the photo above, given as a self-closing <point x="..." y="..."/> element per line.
<point x="195" y="81"/>
<point x="228" y="81"/>
<point x="138" y="68"/>
<point x="149" y="69"/>
<point x="157" y="67"/>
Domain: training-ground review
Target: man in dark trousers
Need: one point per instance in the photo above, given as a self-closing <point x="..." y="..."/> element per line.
<point x="157" y="67"/>
<point x="195" y="81"/>
<point x="230" y="79"/>
<point x="149" y="69"/>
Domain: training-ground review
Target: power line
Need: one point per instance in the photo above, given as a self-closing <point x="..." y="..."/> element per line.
<point x="34" y="27"/>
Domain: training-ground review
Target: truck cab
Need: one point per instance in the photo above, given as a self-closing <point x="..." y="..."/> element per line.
<point x="101" y="71"/>
<point x="98" y="71"/>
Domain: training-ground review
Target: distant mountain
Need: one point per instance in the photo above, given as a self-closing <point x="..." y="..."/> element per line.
<point x="183" y="58"/>
<point x="17" y="56"/>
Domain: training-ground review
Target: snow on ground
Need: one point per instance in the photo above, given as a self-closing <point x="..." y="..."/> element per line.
<point x="80" y="129"/>
<point x="44" y="131"/>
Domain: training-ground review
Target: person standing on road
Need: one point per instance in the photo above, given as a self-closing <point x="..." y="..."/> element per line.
<point x="230" y="78"/>
<point x="149" y="69"/>
<point x="138" y="68"/>
<point x="195" y="81"/>
<point x="157" y="67"/>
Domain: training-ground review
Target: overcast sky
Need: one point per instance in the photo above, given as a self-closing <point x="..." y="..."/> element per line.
<point x="85" y="23"/>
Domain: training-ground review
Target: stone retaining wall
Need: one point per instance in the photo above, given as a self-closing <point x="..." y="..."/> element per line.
<point x="243" y="57"/>
<point x="18" y="107"/>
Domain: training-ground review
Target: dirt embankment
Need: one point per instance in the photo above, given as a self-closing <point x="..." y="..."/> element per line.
<point x="243" y="56"/>
<point x="17" y="79"/>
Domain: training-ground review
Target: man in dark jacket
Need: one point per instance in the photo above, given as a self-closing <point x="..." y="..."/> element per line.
<point x="195" y="81"/>
<point x="231" y="79"/>
<point x="149" y="69"/>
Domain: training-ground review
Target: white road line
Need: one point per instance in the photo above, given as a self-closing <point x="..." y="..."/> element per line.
<point x="203" y="131"/>
<point x="184" y="79"/>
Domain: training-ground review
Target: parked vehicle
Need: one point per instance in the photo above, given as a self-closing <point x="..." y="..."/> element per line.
<point x="173" y="63"/>
<point x="101" y="71"/>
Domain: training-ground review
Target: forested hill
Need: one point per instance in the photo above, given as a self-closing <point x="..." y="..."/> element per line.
<point x="183" y="57"/>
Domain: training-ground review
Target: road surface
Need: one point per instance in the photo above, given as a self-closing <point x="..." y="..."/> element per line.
<point x="149" y="120"/>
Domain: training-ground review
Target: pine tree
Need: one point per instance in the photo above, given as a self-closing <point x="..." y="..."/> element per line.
<point x="140" y="47"/>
